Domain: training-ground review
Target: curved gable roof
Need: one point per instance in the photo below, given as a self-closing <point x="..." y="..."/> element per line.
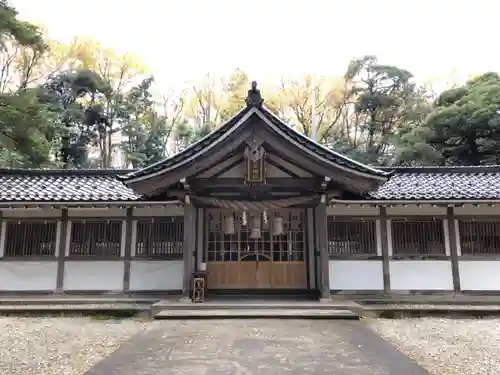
<point x="255" y="108"/>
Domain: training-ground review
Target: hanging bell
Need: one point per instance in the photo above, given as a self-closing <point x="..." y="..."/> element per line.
<point x="255" y="227"/>
<point x="277" y="226"/>
<point x="255" y="233"/>
<point x="244" y="219"/>
<point x="229" y="225"/>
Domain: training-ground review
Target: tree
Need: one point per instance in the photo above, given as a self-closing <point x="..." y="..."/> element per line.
<point x="380" y="94"/>
<point x="411" y="140"/>
<point x="147" y="131"/>
<point x="26" y="137"/>
<point x="235" y="90"/>
<point x="204" y="103"/>
<point x="119" y="72"/>
<point x="464" y="125"/>
<point x="75" y="97"/>
<point x="18" y="40"/>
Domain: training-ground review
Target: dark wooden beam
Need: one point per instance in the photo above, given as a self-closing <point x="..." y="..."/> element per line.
<point x="232" y="160"/>
<point x="282" y="168"/>
<point x="284" y="163"/>
<point x="277" y="182"/>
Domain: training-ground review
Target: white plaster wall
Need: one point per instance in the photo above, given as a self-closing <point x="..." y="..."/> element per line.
<point x="356" y="275"/>
<point x="156" y="275"/>
<point x="479" y="274"/>
<point x="170" y="210"/>
<point x="421" y="275"/>
<point x="351" y="210"/>
<point x="93" y="275"/>
<point x="28" y="276"/>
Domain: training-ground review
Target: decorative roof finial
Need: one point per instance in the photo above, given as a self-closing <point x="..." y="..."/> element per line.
<point x="254" y="99"/>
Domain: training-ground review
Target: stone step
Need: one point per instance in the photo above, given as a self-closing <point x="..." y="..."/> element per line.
<point x="73" y="307"/>
<point x="73" y="300"/>
<point x="263" y="305"/>
<point x="255" y="314"/>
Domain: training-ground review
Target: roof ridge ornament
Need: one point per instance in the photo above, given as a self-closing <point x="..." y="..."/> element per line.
<point x="254" y="99"/>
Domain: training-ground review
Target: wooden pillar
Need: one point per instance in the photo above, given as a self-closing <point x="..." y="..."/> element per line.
<point x="127" y="257"/>
<point x="454" y="241"/>
<point x="3" y="234"/>
<point x="386" y="240"/>
<point x="188" y="248"/>
<point x="321" y="246"/>
<point x="311" y="253"/>
<point x="200" y="218"/>
<point x="62" y="242"/>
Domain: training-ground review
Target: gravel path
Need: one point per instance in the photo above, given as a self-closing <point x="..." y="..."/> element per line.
<point x="446" y="346"/>
<point x="59" y="346"/>
<point x="71" y="346"/>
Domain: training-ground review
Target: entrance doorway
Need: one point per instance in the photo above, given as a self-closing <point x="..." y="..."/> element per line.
<point x="242" y="261"/>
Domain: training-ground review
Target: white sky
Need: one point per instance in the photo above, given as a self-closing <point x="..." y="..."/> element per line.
<point x="183" y="40"/>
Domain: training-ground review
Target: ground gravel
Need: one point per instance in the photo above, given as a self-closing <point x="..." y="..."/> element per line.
<point x="446" y="346"/>
<point x="59" y="346"/>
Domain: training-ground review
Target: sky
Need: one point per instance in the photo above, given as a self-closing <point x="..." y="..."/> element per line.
<point x="181" y="41"/>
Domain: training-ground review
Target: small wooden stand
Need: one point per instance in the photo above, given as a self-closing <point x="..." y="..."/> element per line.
<point x="198" y="287"/>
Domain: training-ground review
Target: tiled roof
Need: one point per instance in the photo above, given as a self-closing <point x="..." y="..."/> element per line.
<point x="219" y="133"/>
<point x="441" y="183"/>
<point x="426" y="183"/>
<point x="63" y="186"/>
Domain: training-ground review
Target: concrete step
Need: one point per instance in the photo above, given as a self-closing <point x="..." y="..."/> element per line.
<point x="73" y="307"/>
<point x="255" y="314"/>
<point x="50" y="300"/>
<point x="247" y="305"/>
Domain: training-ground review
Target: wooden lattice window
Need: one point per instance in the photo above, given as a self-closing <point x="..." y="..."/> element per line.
<point x="289" y="246"/>
<point x="160" y="237"/>
<point x="27" y="239"/>
<point x="479" y="237"/>
<point x="424" y="237"/>
<point x="351" y="237"/>
<point x="96" y="238"/>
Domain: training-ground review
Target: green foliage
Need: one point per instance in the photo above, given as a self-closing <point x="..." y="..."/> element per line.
<point x="146" y="131"/>
<point x="75" y="98"/>
<point x="86" y="103"/>
<point x="26" y="136"/>
<point x="464" y="126"/>
<point x="380" y="94"/>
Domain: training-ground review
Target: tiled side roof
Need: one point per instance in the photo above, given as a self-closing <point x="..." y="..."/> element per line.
<point x="441" y="183"/>
<point x="63" y="186"/>
<point x="436" y="183"/>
